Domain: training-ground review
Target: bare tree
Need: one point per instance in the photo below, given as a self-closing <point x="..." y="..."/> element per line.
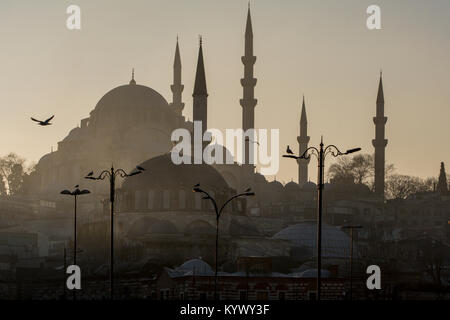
<point x="12" y="172"/>
<point x="431" y="257"/>
<point x="358" y="169"/>
<point x="401" y="186"/>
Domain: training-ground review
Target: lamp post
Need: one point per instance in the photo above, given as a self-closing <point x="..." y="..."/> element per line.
<point x="75" y="193"/>
<point x="218" y="212"/>
<point x="351" y="255"/>
<point x="320" y="154"/>
<point x="111" y="175"/>
<point x="64" y="273"/>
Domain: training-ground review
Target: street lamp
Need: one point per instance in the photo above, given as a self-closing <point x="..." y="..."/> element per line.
<point x="351" y="254"/>
<point x="320" y="154"/>
<point x="75" y="193"/>
<point x="218" y="212"/>
<point x="112" y="174"/>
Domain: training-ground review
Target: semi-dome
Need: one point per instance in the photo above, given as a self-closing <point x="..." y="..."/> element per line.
<point x="200" y="227"/>
<point x="225" y="155"/>
<point x="75" y="134"/>
<point x="161" y="173"/>
<point x="162" y="227"/>
<point x="335" y="242"/>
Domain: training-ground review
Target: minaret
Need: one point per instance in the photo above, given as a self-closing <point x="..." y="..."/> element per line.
<point x="248" y="101"/>
<point x="177" y="87"/>
<point x="303" y="140"/>
<point x="379" y="142"/>
<point x="200" y="95"/>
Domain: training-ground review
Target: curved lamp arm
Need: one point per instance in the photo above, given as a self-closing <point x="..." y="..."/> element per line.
<point x="335" y="152"/>
<point x="121" y="172"/>
<point x="314" y="152"/>
<point x="245" y="194"/>
<point x="305" y="155"/>
<point x="207" y="196"/>
<point x="101" y="176"/>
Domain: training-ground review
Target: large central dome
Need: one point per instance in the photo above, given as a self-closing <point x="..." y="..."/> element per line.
<point x="131" y="96"/>
<point x="129" y="106"/>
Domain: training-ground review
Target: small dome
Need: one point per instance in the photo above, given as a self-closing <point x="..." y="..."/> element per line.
<point x="196" y="266"/>
<point x="141" y="226"/>
<point x="312" y="273"/>
<point x="292" y="187"/>
<point x="309" y="186"/>
<point x="259" y="178"/>
<point x="237" y="229"/>
<point x="162" y="227"/>
<point x="335" y="242"/>
<point x="276" y="185"/>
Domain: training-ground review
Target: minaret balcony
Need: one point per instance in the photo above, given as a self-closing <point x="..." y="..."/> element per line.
<point x="303" y="139"/>
<point x="379" y="143"/>
<point x="177" y="87"/>
<point x="248" y="103"/>
<point x="379" y="120"/>
<point x="248" y="60"/>
<point x="246" y="82"/>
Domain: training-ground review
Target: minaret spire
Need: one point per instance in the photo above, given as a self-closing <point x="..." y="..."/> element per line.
<point x="200" y="79"/>
<point x="248" y="101"/>
<point x="380" y="142"/>
<point x="132" y="81"/>
<point x="303" y="140"/>
<point x="200" y="105"/>
<point x="177" y="87"/>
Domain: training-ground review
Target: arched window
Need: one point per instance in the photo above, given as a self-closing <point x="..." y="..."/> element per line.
<point x="182" y="199"/>
<point x="166" y="199"/>
<point x="151" y="199"/>
<point x="137" y="199"/>
<point x="197" y="201"/>
<point x="210" y="205"/>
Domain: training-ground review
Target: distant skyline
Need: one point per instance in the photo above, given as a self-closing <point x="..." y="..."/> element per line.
<point x="320" y="49"/>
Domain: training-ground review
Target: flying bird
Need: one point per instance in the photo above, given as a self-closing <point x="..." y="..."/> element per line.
<point x="43" y="123"/>
<point x="288" y="150"/>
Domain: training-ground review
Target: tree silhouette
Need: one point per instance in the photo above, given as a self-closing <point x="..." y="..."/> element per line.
<point x="442" y="186"/>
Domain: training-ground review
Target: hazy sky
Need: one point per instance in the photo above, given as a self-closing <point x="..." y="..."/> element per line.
<point x="322" y="49"/>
